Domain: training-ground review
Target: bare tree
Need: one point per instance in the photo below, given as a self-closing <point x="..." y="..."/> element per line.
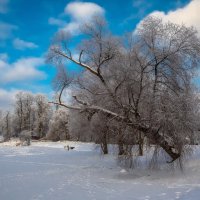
<point x="7" y="126"/>
<point x="144" y="84"/>
<point x="31" y="113"/>
<point x="79" y="127"/>
<point x="58" y="126"/>
<point x="1" y="122"/>
<point x="24" y="112"/>
<point x="42" y="114"/>
<point x="101" y="131"/>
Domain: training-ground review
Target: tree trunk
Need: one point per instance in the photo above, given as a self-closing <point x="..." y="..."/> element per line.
<point x="154" y="136"/>
<point x="121" y="149"/>
<point x="104" y="144"/>
<point x="140" y="143"/>
<point x="120" y="144"/>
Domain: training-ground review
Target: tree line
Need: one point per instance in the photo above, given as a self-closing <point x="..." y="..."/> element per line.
<point x="34" y="114"/>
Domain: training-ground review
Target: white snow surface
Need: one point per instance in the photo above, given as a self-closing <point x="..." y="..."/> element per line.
<point x="47" y="171"/>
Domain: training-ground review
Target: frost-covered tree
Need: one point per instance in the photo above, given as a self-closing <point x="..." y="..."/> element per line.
<point x="1" y="122"/>
<point x="58" y="126"/>
<point x="31" y="113"/>
<point x="24" y="112"/>
<point x="6" y="126"/>
<point x="42" y="113"/>
<point x="144" y="83"/>
<point x="80" y="128"/>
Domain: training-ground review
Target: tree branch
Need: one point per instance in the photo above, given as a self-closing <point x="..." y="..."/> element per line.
<point x="74" y="61"/>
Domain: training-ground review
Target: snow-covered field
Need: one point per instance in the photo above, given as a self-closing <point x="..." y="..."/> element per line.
<point x="48" y="171"/>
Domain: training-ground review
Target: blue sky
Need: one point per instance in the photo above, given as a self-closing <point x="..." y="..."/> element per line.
<point x="27" y="26"/>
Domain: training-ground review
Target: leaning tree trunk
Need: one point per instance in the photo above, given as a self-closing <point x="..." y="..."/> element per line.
<point x="170" y="150"/>
<point x="153" y="135"/>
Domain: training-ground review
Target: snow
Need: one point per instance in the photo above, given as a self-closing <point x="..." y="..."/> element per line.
<point x="47" y="171"/>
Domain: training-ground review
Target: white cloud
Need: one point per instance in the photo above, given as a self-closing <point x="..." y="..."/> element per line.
<point x="82" y="11"/>
<point x="6" y="30"/>
<point x="4" y="6"/>
<point x="4" y="56"/>
<point x="3" y="61"/>
<point x="3" y="65"/>
<point x="7" y="98"/>
<point x="24" y="69"/>
<point x="188" y="15"/>
<point x="22" y="45"/>
<point x="79" y="13"/>
<point x="141" y="4"/>
<point x="55" y="21"/>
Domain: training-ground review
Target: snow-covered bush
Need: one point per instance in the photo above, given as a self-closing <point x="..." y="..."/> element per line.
<point x="25" y="137"/>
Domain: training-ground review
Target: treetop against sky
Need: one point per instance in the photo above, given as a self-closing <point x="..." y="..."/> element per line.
<point x="27" y="28"/>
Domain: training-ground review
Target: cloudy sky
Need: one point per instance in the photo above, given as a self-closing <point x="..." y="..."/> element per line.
<point x="27" y="26"/>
